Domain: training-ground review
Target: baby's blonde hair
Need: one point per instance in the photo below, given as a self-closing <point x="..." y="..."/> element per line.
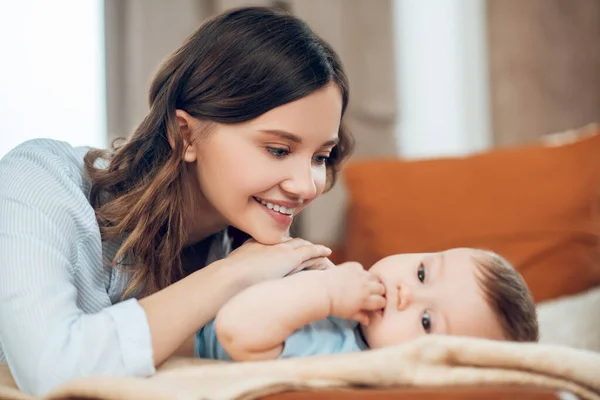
<point x="508" y="296"/>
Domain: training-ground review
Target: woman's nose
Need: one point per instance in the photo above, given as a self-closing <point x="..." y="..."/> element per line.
<point x="301" y="183"/>
<point x="404" y="297"/>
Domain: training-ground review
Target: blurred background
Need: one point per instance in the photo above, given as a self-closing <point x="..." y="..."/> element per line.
<point x="428" y="78"/>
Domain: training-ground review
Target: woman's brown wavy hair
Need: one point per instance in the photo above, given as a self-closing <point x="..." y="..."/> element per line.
<point x="234" y="68"/>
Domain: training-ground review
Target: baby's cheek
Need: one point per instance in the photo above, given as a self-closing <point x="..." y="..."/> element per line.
<point x="393" y="333"/>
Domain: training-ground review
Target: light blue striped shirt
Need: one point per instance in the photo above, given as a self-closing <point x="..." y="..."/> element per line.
<point x="61" y="314"/>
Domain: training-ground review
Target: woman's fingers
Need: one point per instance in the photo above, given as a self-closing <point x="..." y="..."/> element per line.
<point x="296" y="242"/>
<point x="327" y="263"/>
<point x="308" y="252"/>
<point x="320" y="263"/>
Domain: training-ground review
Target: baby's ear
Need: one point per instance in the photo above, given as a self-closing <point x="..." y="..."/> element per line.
<point x="185" y="122"/>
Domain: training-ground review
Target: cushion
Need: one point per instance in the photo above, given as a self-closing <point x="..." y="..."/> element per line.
<point x="537" y="205"/>
<point x="571" y="320"/>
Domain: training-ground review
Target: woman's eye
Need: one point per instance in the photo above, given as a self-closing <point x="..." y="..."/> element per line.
<point x="278" y="152"/>
<point x="421" y="273"/>
<point x="320" y="160"/>
<point x="426" y="322"/>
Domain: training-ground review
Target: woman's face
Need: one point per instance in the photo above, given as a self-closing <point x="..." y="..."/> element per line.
<point x="259" y="174"/>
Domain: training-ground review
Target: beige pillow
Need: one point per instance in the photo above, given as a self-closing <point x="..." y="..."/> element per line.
<point x="572" y="320"/>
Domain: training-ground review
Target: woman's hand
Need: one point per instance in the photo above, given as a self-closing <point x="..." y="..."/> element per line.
<point x="258" y="262"/>
<point x="353" y="292"/>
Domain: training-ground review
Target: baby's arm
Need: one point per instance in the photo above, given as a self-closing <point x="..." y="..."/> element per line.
<point x="255" y="324"/>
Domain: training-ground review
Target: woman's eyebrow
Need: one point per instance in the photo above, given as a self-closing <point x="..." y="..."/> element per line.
<point x="331" y="142"/>
<point x="294" y="138"/>
<point x="283" y="134"/>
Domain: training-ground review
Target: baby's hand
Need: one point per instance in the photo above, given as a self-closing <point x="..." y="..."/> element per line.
<point x="353" y="292"/>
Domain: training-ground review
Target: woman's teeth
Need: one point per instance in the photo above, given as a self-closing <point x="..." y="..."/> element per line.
<point x="276" y="207"/>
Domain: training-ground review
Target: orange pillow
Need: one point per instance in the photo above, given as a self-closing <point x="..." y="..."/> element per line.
<point x="538" y="206"/>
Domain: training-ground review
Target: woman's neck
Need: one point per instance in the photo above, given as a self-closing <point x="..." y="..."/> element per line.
<point x="201" y="219"/>
<point x="197" y="233"/>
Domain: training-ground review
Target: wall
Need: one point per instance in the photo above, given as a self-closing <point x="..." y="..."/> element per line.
<point x="544" y="66"/>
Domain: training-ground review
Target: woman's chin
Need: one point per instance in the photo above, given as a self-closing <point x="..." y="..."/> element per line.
<point x="269" y="237"/>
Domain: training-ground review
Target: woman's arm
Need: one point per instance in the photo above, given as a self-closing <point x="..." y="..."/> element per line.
<point x="57" y="320"/>
<point x="178" y="311"/>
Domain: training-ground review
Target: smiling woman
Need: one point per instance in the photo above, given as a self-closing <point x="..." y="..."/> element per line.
<point x="121" y="255"/>
<point x="289" y="169"/>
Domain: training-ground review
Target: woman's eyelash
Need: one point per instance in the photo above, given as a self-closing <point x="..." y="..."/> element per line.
<point x="421" y="273"/>
<point x="278" y="152"/>
<point x="321" y="159"/>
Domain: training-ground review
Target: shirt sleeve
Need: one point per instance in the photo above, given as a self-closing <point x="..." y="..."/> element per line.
<point x="46" y="337"/>
<point x="326" y="336"/>
<point x="208" y="346"/>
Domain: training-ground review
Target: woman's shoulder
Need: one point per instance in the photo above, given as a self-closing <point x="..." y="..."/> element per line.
<point x="47" y="151"/>
<point x="52" y="158"/>
<point x="47" y="175"/>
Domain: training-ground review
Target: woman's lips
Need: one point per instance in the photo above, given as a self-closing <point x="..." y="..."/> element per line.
<point x="284" y="220"/>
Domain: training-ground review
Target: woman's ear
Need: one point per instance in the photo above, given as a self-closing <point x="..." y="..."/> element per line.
<point x="186" y="128"/>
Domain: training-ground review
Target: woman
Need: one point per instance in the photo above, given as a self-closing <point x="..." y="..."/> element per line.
<point x="111" y="261"/>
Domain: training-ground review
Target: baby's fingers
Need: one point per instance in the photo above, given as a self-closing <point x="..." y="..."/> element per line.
<point x="361" y="317"/>
<point x="376" y="287"/>
<point x="374" y="302"/>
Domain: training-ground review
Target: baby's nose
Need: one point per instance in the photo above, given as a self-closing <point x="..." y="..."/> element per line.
<point x="404" y="297"/>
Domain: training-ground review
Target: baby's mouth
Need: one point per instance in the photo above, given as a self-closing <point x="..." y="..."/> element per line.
<point x="381" y="311"/>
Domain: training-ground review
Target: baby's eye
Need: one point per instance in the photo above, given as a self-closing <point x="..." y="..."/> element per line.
<point x="421" y="273"/>
<point x="426" y="322"/>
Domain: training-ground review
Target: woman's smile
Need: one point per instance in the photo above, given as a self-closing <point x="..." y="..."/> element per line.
<point x="281" y="214"/>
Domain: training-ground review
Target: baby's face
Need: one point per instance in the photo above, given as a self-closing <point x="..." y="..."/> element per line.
<point x="430" y="293"/>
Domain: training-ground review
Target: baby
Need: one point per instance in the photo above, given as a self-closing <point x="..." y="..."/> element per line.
<point x="465" y="292"/>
